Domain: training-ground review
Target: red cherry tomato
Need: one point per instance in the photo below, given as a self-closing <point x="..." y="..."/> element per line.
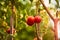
<point x="8" y="31"/>
<point x="37" y="19"/>
<point x="30" y="20"/>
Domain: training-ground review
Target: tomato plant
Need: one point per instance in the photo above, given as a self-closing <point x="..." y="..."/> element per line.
<point x="25" y="9"/>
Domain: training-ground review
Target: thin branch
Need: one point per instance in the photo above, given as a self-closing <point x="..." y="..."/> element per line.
<point x="55" y="28"/>
<point x="16" y="20"/>
<point x="11" y="27"/>
<point x="47" y="9"/>
<point x="37" y="26"/>
<point x="12" y="19"/>
<point x="37" y="32"/>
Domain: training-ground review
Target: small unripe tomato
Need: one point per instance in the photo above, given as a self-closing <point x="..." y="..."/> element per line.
<point x="30" y="20"/>
<point x="37" y="19"/>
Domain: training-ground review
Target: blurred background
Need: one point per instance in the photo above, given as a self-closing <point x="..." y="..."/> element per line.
<point x="23" y="9"/>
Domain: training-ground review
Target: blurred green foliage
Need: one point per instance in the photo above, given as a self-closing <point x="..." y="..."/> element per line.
<point x="24" y="8"/>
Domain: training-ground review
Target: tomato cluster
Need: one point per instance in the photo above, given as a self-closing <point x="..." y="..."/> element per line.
<point x="31" y="20"/>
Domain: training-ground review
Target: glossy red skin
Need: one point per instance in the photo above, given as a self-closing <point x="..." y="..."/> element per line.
<point x="8" y="31"/>
<point x="37" y="19"/>
<point x="30" y="20"/>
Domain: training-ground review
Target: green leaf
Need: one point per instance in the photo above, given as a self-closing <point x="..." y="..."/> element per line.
<point x="57" y="1"/>
<point x="49" y="1"/>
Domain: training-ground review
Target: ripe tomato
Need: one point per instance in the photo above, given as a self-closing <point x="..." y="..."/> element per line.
<point x="37" y="19"/>
<point x="30" y="20"/>
<point x="8" y="31"/>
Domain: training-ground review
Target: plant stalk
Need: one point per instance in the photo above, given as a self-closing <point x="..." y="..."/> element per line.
<point x="37" y="25"/>
<point x="47" y="10"/>
<point x="12" y="19"/>
<point x="55" y="20"/>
